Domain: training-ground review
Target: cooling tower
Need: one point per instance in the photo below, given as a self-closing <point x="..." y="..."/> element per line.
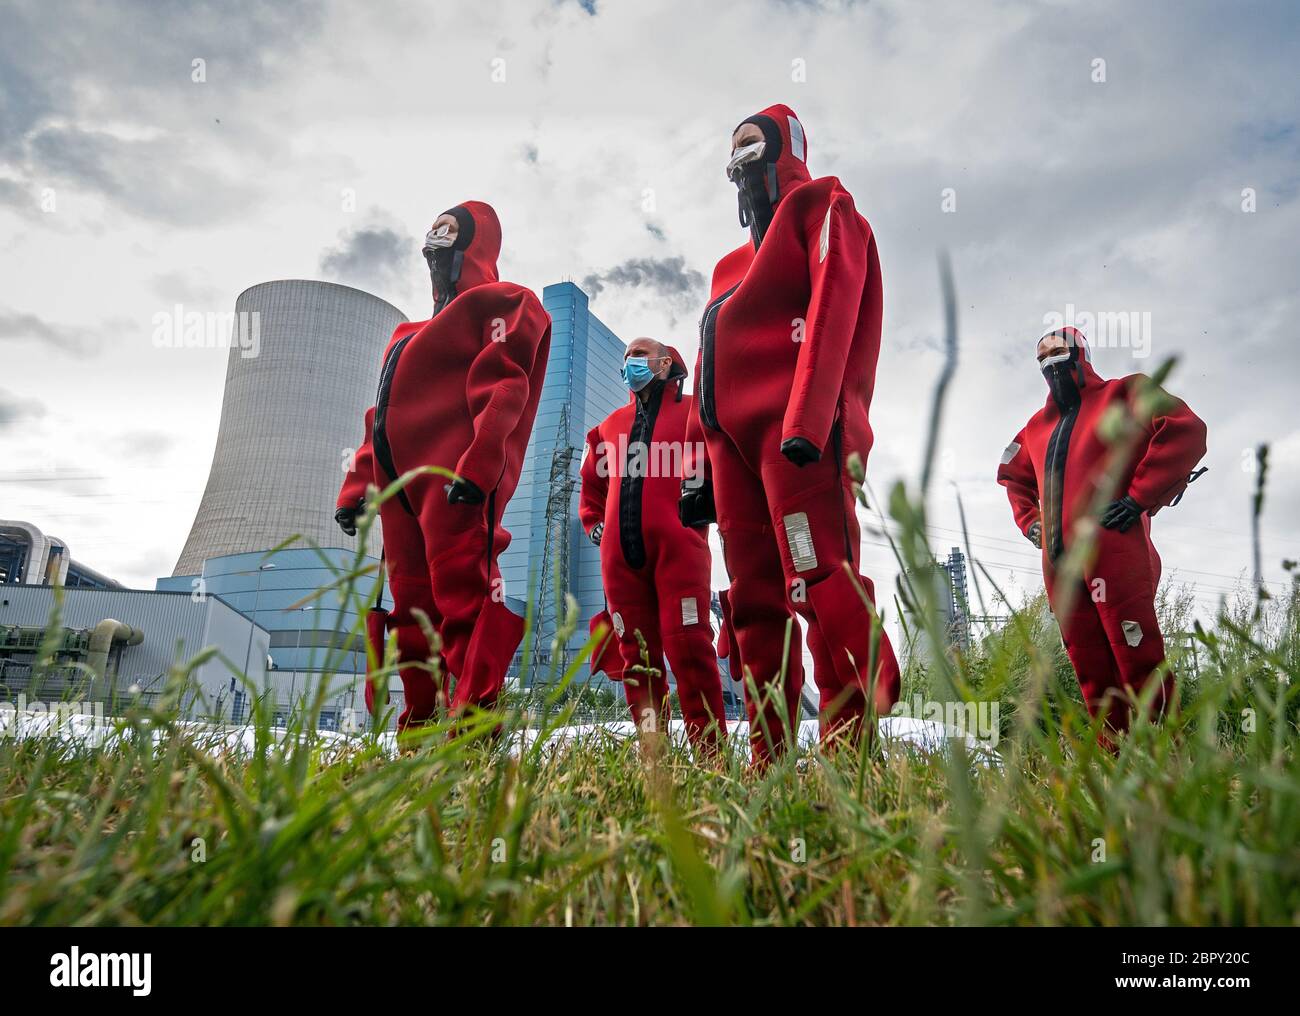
<point x="289" y="415"/>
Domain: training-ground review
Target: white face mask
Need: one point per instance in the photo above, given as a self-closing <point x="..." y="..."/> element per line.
<point x="1048" y="361"/>
<point x="741" y="156"/>
<point x="439" y="237"/>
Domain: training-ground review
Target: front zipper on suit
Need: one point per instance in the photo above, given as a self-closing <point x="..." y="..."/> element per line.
<point x="492" y="532"/>
<point x="631" y="538"/>
<point x="837" y="444"/>
<point x="708" y="335"/>
<point x="379" y="432"/>
<point x="1058" y="447"/>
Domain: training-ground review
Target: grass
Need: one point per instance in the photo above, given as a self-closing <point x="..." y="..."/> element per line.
<point x="1194" y="822"/>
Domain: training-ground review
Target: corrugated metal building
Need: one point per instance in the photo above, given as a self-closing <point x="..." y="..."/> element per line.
<point x="176" y="627"/>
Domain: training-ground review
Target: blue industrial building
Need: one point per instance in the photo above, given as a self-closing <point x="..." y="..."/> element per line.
<point x="282" y="592"/>
<point x="582" y="387"/>
<point x="291" y="594"/>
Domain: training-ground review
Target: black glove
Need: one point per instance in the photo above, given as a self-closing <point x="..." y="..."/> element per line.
<point x="696" y="507"/>
<point x="347" y="519"/>
<point x="1035" y="534"/>
<point x="800" y="451"/>
<point x="1121" y="514"/>
<point x="597" y="531"/>
<point x="464" y="491"/>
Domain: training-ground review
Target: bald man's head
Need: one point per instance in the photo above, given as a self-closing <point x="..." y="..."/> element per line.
<point x="651" y="348"/>
<point x="657" y="359"/>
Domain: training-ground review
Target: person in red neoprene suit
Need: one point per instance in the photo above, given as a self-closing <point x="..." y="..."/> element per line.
<point x="788" y="347"/>
<point x="655" y="572"/>
<point x="460" y="391"/>
<point x="1055" y="472"/>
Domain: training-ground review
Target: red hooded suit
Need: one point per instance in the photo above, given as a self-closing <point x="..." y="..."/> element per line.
<point x="458" y="391"/>
<point x="1052" y="472"/>
<point x="788" y="350"/>
<point x="655" y="572"/>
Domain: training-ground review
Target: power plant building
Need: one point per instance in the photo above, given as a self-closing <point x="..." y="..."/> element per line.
<point x="297" y="385"/>
<point x="298" y="382"/>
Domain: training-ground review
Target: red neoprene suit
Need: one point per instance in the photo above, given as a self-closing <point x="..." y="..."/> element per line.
<point x="458" y="391"/>
<point x="655" y="572"/>
<point x="789" y="344"/>
<point x="1052" y="472"/>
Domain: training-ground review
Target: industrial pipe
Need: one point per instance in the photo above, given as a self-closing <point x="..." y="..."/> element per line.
<point x="106" y="634"/>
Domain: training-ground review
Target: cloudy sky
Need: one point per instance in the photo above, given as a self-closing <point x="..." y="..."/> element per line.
<point x="1106" y="156"/>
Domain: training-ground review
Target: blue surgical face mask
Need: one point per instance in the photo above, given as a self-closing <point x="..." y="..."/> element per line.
<point x="637" y="373"/>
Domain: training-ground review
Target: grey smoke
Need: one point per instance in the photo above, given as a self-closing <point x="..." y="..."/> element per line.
<point x="373" y="257"/>
<point x="680" y="288"/>
<point x="16" y="326"/>
<point x="14" y="409"/>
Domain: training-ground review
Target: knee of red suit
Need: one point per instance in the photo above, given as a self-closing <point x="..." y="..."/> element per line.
<point x="1127" y="659"/>
<point x="691" y="656"/>
<point x="497" y="634"/>
<point x="852" y="636"/>
<point x="421" y="697"/>
<point x="763" y="653"/>
<point x="817" y="533"/>
<point x="648" y="700"/>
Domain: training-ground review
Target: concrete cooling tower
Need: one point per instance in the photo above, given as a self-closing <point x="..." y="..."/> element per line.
<point x="290" y="413"/>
